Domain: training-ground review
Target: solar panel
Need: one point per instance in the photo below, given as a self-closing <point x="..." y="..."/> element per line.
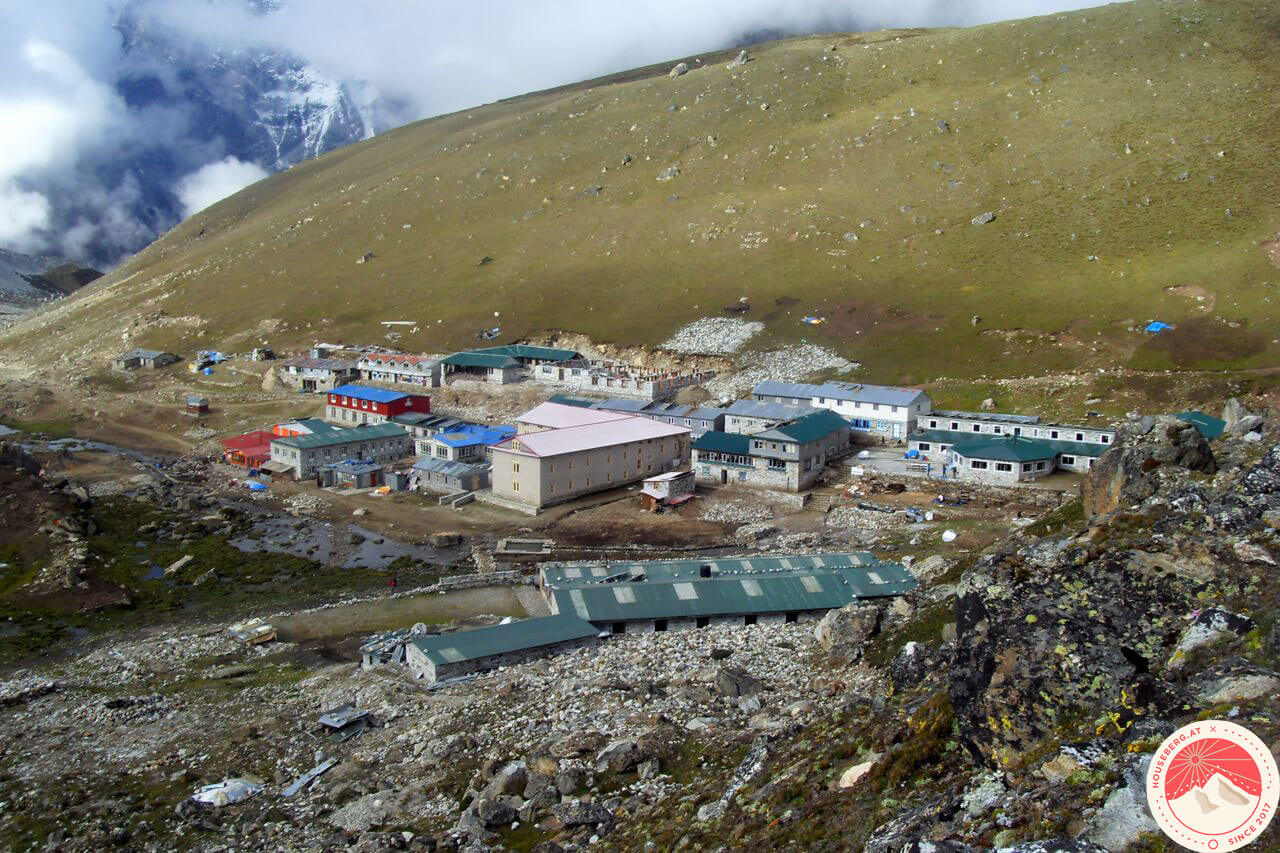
<point x="573" y="573"/>
<point x="685" y="591"/>
<point x="624" y="595"/>
<point x="451" y="654"/>
<point x="874" y="577"/>
<point x="811" y="583"/>
<point x="751" y="587"/>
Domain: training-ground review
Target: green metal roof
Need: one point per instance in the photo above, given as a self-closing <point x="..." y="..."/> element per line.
<point x="1209" y="426"/>
<point x="335" y="437"/>
<point x="476" y="358"/>
<point x="315" y="424"/>
<point x="500" y="639"/>
<point x="731" y="595"/>
<point x="566" y="400"/>
<point x="578" y="573"/>
<point x="530" y="351"/>
<point x="809" y="428"/>
<point x="723" y="442"/>
<point x="1008" y="448"/>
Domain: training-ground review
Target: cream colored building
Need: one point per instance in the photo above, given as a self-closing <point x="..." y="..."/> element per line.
<point x="540" y="468"/>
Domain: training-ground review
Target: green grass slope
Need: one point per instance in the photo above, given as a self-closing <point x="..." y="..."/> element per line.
<point x="1127" y="151"/>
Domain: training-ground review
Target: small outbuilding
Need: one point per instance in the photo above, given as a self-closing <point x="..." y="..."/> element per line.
<point x="670" y="489"/>
<point x="448" y="476"/>
<point x="350" y="474"/>
<point x="197" y="406"/>
<point x="148" y="358"/>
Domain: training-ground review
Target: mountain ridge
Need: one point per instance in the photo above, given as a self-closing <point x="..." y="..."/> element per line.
<point x="835" y="183"/>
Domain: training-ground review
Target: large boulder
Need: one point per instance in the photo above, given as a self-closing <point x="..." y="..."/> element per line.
<point x="1128" y="473"/>
<point x="1213" y="628"/>
<point x="583" y="813"/>
<point x="731" y="681"/>
<point x="1125" y="816"/>
<point x="843" y="633"/>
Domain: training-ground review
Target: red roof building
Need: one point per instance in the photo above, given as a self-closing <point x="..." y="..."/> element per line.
<point x="250" y="450"/>
<point x="359" y="404"/>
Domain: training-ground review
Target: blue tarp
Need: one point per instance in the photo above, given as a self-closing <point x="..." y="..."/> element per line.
<point x="256" y="487"/>
<point x="208" y="371"/>
<point x="1156" y="326"/>
<point x="913" y="454"/>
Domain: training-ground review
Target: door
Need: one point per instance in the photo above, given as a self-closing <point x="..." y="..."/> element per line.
<point x="724" y="476"/>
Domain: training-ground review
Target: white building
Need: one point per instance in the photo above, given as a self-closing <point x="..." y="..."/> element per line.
<point x="876" y="411"/>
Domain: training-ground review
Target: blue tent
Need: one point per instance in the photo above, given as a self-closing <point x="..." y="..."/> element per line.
<point x="1156" y="326"/>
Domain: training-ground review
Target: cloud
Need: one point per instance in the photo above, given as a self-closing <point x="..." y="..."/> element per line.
<point x="214" y="182"/>
<point x="105" y="141"/>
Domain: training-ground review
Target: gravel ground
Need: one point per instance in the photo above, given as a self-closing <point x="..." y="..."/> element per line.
<point x="789" y="364"/>
<point x="713" y="336"/>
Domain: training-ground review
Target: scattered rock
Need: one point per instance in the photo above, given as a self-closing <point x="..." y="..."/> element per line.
<point x="679" y="69"/>
<point x="984" y="218"/>
<point x="738" y="61"/>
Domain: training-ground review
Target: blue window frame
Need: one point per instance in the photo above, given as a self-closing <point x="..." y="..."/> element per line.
<point x="859" y="423"/>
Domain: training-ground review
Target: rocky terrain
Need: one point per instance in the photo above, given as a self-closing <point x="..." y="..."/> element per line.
<point x="1012" y="701"/>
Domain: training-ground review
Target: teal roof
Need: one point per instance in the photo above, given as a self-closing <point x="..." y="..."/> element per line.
<point x="532" y="352"/>
<point x="1209" y="426"/>
<point x="315" y="424"/>
<point x="1008" y="448"/>
<point x="731" y="595"/>
<point x="336" y="437"/>
<point x="576" y="573"/>
<point x="808" y="428"/>
<point x="476" y="358"/>
<point x="500" y="639"/>
<point x="723" y="442"/>
<point x="566" y="400"/>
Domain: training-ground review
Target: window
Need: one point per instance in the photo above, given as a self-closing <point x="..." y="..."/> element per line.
<point x="1106" y="438"/>
<point x="588" y="483"/>
<point x="955" y="426"/>
<point x="822" y="401"/>
<point x="1003" y="466"/>
<point x="860" y="423"/>
<point x="515" y="487"/>
<point x="515" y="467"/>
<point x="1017" y="430"/>
<point x="977" y="427"/>
<point x="1026" y="466"/>
<point x="571" y="485"/>
<point x="997" y="430"/>
<point x="551" y="489"/>
<point x="933" y="424"/>
<point x="1053" y="433"/>
<point x="570" y="464"/>
<point x="1040" y="466"/>
<point x="875" y="407"/>
<point x="923" y="445"/>
<point x="1068" y="460"/>
<point x="777" y="465"/>
<point x="551" y="468"/>
<point x="977" y="464"/>
<point x="742" y="475"/>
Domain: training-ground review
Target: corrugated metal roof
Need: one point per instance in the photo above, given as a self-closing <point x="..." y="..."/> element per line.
<point x="314" y="424"/>
<point x="854" y="391"/>
<point x="532" y="352"/>
<point x="479" y="359"/>
<point x="373" y="395"/>
<point x="469" y="435"/>
<point x="365" y="432"/>
<point x="576" y="573"/>
<point x="308" y="363"/>
<point x="567" y="400"/>
<point x="448" y="467"/>
<point x="809" y="428"/>
<point x="352" y="466"/>
<point x="730" y="595"/>
<point x="559" y="416"/>
<point x="1209" y="426"/>
<point x="992" y="417"/>
<point x="767" y="410"/>
<point x="723" y="442"/>
<point x="624" y="430"/>
<point x="500" y="639"/>
<point x="706" y="413"/>
<point x="630" y="406"/>
<point x="1009" y="448"/>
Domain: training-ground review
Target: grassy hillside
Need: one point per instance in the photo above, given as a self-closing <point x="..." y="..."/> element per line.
<point x="1127" y="151"/>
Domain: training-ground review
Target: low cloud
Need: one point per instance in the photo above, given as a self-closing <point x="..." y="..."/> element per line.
<point x="215" y="181"/>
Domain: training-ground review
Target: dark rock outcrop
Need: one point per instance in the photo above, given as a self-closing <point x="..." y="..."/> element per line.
<point x="1127" y="473"/>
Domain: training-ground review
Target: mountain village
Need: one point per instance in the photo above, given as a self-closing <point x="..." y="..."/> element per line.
<point x="614" y="430"/>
